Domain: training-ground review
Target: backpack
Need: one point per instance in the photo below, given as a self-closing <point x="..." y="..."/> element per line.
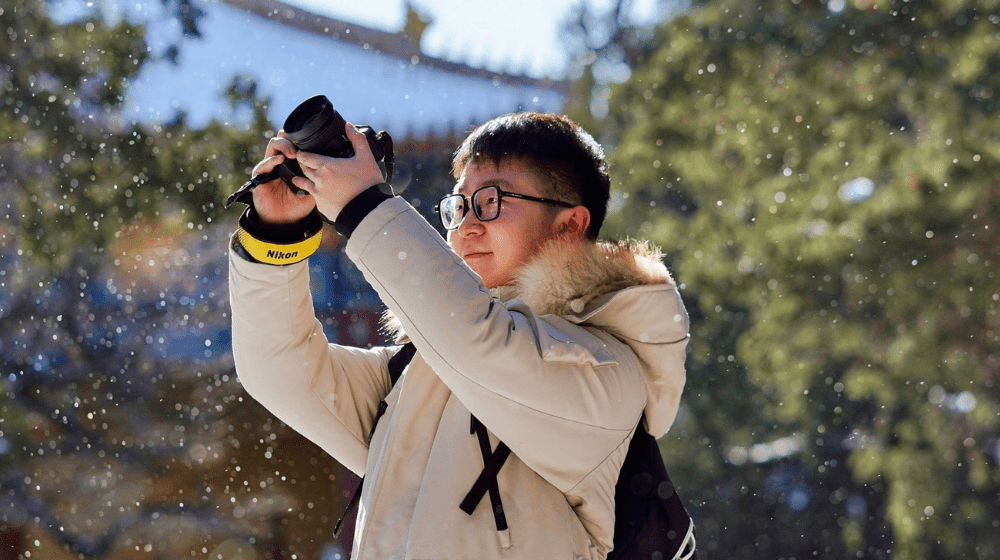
<point x="650" y="520"/>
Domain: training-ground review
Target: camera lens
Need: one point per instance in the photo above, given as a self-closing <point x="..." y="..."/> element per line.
<point x="314" y="126"/>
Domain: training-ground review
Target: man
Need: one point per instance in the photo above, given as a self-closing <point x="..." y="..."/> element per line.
<point x="529" y="334"/>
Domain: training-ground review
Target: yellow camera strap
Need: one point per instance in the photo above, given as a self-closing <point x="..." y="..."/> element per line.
<point x="279" y="253"/>
<point x="283" y="244"/>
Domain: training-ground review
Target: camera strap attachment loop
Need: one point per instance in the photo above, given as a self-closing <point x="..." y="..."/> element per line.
<point x="245" y="193"/>
<point x="381" y="144"/>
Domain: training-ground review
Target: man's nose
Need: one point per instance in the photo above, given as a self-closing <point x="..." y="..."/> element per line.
<point x="470" y="224"/>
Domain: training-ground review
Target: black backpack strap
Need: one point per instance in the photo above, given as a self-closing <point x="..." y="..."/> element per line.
<point x="487" y="481"/>
<point x="397" y="363"/>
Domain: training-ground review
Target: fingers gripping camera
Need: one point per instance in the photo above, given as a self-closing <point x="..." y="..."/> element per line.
<point x="315" y="126"/>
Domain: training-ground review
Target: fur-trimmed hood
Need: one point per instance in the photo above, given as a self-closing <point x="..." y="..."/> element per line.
<point x="566" y="276"/>
<point x="620" y="287"/>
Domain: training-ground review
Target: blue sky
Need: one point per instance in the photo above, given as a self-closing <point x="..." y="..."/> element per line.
<point x="522" y="36"/>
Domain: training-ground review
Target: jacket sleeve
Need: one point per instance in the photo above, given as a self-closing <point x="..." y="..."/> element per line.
<point x="326" y="392"/>
<point x="562" y="397"/>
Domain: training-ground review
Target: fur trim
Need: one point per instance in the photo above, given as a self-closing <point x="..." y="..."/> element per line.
<point x="566" y="275"/>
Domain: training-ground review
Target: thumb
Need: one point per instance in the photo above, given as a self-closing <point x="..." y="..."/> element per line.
<point x="359" y="141"/>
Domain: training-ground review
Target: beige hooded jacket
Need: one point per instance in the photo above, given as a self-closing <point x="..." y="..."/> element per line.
<point x="559" y="367"/>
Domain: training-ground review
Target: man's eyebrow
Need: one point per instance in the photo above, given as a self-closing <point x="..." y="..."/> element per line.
<point x="498" y="182"/>
<point x="467" y="189"/>
<point x="494" y="181"/>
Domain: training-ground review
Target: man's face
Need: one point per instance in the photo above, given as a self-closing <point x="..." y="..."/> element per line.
<point x="497" y="248"/>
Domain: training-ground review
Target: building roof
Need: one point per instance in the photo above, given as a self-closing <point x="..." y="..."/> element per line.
<point x="404" y="44"/>
<point x="373" y="77"/>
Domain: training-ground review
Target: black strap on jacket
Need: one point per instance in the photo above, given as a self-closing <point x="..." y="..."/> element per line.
<point x="487" y="480"/>
<point x="493" y="460"/>
<point x="397" y="363"/>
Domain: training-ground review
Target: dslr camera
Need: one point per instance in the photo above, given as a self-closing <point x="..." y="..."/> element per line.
<point x="315" y="126"/>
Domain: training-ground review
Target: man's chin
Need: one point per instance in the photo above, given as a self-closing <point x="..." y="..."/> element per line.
<point x="490" y="280"/>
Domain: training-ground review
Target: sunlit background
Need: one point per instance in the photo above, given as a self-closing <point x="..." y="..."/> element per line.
<point x="820" y="174"/>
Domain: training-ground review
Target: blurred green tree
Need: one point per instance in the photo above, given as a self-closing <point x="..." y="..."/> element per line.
<point x="109" y="439"/>
<point x="823" y="175"/>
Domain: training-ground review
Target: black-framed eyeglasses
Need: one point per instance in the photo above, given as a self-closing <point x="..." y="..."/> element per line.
<point x="486" y="203"/>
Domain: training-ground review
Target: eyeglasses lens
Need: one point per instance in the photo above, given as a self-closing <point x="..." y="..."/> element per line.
<point x="487" y="203"/>
<point x="452" y="211"/>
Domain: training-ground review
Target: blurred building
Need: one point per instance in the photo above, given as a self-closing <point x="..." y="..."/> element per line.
<point x="373" y="77"/>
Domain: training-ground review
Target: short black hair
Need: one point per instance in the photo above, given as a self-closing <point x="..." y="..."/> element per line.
<point x="553" y="145"/>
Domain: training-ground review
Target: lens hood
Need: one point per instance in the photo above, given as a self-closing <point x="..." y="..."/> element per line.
<point x="314" y="126"/>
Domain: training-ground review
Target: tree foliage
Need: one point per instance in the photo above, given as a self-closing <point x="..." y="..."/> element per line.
<point x="823" y="175"/>
<point x="121" y="424"/>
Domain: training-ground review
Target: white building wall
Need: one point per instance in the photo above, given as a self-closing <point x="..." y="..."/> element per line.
<point x="291" y="65"/>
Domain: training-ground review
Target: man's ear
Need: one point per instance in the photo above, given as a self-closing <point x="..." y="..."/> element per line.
<point x="573" y="222"/>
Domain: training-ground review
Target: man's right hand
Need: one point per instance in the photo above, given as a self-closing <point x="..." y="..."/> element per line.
<point x="274" y="202"/>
